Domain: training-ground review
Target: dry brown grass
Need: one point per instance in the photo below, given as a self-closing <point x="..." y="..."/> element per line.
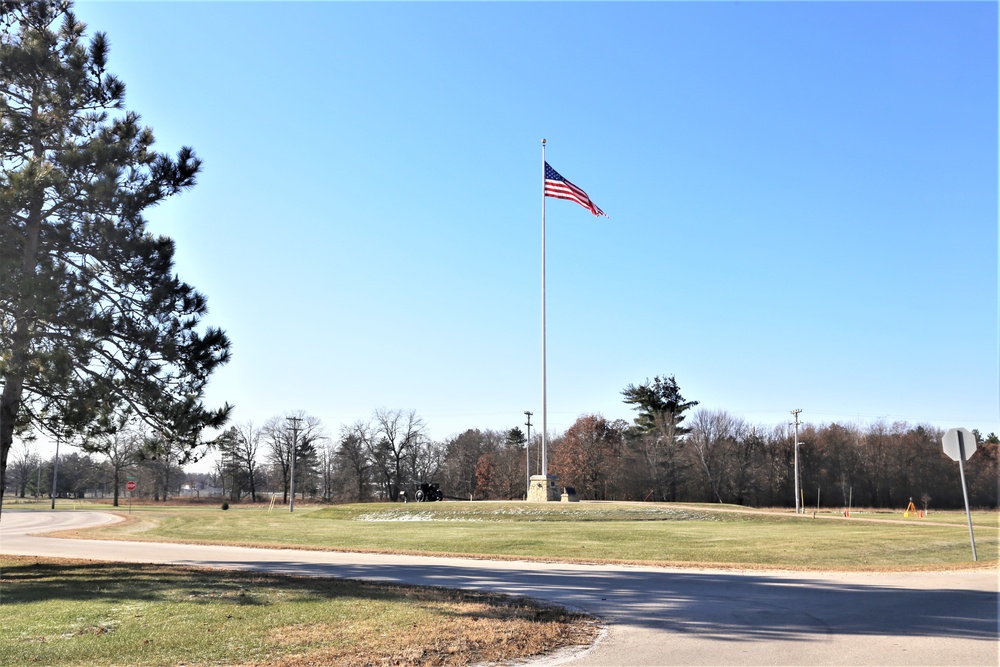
<point x="266" y="620"/>
<point x="476" y="633"/>
<point x="458" y="628"/>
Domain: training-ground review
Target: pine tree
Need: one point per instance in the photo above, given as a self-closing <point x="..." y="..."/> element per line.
<point x="658" y="402"/>
<point x="658" y="432"/>
<point x="92" y="317"/>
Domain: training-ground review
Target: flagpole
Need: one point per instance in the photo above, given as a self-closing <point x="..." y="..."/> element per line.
<point x="545" y="426"/>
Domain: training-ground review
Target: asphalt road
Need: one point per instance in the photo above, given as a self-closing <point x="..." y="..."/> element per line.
<point x="655" y="616"/>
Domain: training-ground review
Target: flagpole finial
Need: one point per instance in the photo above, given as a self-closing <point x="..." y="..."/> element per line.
<point x="543" y="142"/>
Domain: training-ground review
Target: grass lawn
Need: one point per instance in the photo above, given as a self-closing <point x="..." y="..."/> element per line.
<point x="76" y="613"/>
<point x="703" y="535"/>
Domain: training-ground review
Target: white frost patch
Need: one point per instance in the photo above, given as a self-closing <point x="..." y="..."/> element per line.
<point x="481" y="514"/>
<point x="393" y="516"/>
<point x="409" y="516"/>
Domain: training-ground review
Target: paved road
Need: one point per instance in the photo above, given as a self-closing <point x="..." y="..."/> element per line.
<point x="656" y="616"/>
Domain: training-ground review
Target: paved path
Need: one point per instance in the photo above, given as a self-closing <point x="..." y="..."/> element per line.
<point x="656" y="616"/>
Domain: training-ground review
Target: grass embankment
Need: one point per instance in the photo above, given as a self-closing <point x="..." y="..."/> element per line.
<point x="75" y="613"/>
<point x="653" y="533"/>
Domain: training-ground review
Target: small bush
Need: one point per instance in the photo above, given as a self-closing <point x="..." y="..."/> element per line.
<point x="225" y="506"/>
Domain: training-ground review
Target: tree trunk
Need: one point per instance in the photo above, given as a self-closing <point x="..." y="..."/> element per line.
<point x="13" y="380"/>
<point x="8" y="411"/>
<point x="10" y="400"/>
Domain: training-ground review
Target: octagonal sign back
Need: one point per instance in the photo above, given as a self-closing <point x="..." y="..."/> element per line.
<point x="950" y="443"/>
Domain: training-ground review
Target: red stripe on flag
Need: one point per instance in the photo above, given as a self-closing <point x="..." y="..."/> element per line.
<point x="556" y="185"/>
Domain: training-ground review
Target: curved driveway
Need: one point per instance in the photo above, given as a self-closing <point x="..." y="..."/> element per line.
<point x="656" y="616"/>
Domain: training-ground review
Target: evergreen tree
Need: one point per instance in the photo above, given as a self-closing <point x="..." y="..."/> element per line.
<point x="516" y="437"/>
<point x="92" y="317"/>
<point x="658" y="402"/>
<point x="658" y="435"/>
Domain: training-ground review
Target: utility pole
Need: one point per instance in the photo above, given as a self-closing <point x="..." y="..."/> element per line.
<point x="291" y="479"/>
<point x="798" y="497"/>
<point x="55" y="472"/>
<point x="527" y="456"/>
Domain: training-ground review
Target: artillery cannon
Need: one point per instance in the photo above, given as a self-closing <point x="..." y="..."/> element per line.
<point x="428" y="492"/>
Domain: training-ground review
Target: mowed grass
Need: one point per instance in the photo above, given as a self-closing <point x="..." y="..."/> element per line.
<point x="75" y="613"/>
<point x="650" y="533"/>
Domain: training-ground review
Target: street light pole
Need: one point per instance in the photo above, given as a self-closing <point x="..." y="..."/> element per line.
<point x="291" y="480"/>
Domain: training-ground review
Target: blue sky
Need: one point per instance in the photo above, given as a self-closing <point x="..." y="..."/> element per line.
<point x="802" y="201"/>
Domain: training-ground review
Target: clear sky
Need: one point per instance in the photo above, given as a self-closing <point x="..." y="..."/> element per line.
<point x="802" y="201"/>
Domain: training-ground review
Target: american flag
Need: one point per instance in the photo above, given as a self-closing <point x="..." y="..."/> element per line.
<point x="560" y="188"/>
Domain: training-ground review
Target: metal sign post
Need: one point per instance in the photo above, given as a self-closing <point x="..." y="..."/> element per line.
<point x="959" y="444"/>
<point x="130" y="487"/>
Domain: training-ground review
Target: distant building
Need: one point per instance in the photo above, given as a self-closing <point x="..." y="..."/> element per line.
<point x="200" y="491"/>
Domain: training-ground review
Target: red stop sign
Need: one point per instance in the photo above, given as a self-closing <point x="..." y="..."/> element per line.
<point x="130" y="486"/>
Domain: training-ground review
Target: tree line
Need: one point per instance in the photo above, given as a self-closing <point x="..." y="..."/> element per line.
<point x="671" y="452"/>
<point x="718" y="457"/>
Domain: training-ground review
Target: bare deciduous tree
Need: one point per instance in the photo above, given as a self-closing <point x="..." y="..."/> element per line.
<point x="353" y="457"/>
<point x="394" y="434"/>
<point x="122" y="448"/>
<point x="585" y="457"/>
<point x="23" y="464"/>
